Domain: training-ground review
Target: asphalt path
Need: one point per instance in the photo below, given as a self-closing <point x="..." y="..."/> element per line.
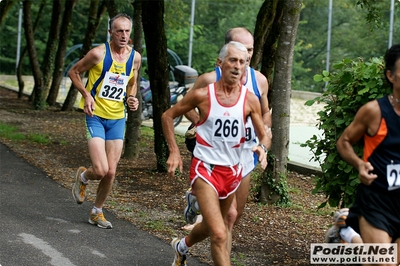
<point x="40" y="224"/>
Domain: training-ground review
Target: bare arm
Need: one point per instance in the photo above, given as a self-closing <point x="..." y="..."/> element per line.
<point x="266" y="114"/>
<point x="254" y="109"/>
<point x="363" y="122"/>
<point x="192" y="99"/>
<point x="92" y="58"/>
<point x="201" y="82"/>
<point x="132" y="86"/>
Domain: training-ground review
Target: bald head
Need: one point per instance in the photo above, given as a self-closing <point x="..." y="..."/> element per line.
<point x="234" y="33"/>
<point x="243" y="36"/>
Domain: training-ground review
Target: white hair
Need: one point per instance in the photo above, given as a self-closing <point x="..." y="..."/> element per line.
<point x="224" y="50"/>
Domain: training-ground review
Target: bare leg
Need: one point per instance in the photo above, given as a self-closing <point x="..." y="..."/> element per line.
<point x="214" y="211"/>
<point x="398" y="250"/>
<point x="105" y="156"/>
<point x="113" y="150"/>
<point x="236" y="209"/>
<point x="371" y="234"/>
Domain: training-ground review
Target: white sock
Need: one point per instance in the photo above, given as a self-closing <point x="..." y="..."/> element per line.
<point x="347" y="234"/>
<point x="182" y="247"/>
<point x="84" y="180"/>
<point x="97" y="210"/>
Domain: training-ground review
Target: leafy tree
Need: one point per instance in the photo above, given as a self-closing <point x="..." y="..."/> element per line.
<point x="212" y="20"/>
<point x="350" y="38"/>
<point x="352" y="84"/>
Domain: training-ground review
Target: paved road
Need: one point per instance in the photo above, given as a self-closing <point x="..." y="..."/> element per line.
<point x="42" y="225"/>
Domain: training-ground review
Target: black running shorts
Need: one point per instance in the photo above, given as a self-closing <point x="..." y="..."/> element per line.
<point x="380" y="209"/>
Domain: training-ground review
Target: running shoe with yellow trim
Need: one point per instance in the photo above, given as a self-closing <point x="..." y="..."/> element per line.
<point x="99" y="220"/>
<point x="179" y="259"/>
<point x="78" y="189"/>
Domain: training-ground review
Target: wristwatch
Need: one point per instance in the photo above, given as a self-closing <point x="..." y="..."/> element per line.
<point x="264" y="148"/>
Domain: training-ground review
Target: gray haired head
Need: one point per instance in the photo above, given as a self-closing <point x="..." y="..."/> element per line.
<point x="120" y="15"/>
<point x="224" y="50"/>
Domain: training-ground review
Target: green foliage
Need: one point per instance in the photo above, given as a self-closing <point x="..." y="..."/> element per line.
<point x="351" y="85"/>
<point x="374" y="10"/>
<point x="277" y="186"/>
<point x="299" y="69"/>
<point x="350" y="37"/>
<point x="211" y="20"/>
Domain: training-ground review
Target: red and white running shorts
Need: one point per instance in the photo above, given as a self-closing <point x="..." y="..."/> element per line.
<point x="223" y="179"/>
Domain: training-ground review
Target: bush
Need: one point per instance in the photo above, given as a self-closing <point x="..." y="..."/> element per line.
<point x="350" y="85"/>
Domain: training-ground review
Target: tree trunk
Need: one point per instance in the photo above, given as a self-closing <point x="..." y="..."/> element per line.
<point x="39" y="89"/>
<point x="111" y="8"/>
<point x="272" y="184"/>
<point x="264" y="23"/>
<point x="62" y="47"/>
<point x="52" y="42"/>
<point x="132" y="134"/>
<point x="21" y="83"/>
<point x="95" y="13"/>
<point x="5" y="6"/>
<point x="156" y="50"/>
<point x="270" y="46"/>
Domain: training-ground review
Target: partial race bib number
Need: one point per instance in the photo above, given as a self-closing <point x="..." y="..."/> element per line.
<point x="226" y="128"/>
<point x="113" y="87"/>
<point x="393" y="176"/>
<point x="250" y="132"/>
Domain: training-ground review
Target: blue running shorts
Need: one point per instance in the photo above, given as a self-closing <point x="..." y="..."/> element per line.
<point x="107" y="129"/>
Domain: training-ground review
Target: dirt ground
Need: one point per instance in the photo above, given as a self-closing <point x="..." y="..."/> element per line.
<point x="266" y="235"/>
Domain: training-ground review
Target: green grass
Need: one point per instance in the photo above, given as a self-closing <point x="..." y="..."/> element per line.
<point x="11" y="133"/>
<point x="295" y="190"/>
<point x="238" y="260"/>
<point x="12" y="83"/>
<point x="147" y="132"/>
<point x="158" y="225"/>
<point x="39" y="138"/>
<point x="147" y="136"/>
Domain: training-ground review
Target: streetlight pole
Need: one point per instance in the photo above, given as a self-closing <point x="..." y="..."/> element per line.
<point x="328" y="44"/>
<point x="391" y="23"/>
<point x="191" y="34"/>
<point x="19" y="35"/>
